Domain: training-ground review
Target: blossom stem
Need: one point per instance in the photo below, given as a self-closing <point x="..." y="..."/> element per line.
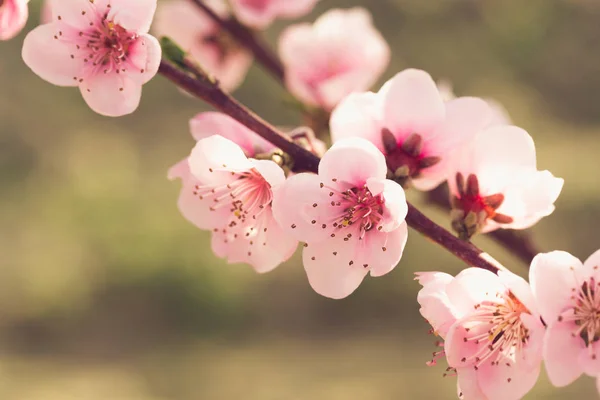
<point x="247" y="38"/>
<point x="520" y="243"/>
<point x="208" y="90"/>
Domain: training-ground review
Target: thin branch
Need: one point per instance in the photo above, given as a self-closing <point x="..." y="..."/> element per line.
<point x="209" y="91"/>
<point x="519" y="243"/>
<point x="248" y="39"/>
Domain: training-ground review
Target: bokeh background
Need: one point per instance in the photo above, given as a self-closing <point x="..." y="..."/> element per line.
<point x="106" y="292"/>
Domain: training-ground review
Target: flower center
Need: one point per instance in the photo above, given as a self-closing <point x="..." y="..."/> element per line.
<point x="405" y="160"/>
<point x="496" y="328"/>
<point x="354" y="209"/>
<point x="585" y="312"/>
<point x="471" y="210"/>
<point x="247" y="196"/>
<point x="108" y="45"/>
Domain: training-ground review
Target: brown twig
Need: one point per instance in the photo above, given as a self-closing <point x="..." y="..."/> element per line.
<point x="248" y="39"/>
<point x="209" y="91"/>
<point x="519" y="243"/>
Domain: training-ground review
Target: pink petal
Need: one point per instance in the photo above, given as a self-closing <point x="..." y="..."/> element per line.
<point x="294" y="9"/>
<point x="358" y="115"/>
<point x="13" y="17"/>
<point x="262" y="249"/>
<point x="562" y="352"/>
<point x="459" y="345"/>
<point x="75" y="13"/>
<point x="465" y="117"/>
<point x="435" y="305"/>
<point x="468" y="385"/>
<point x="292" y="207"/>
<point x="195" y="210"/>
<point x="504" y="382"/>
<point x="532" y="350"/>
<point x="214" y="123"/>
<point x="144" y="58"/>
<point x="354" y="161"/>
<point x="551" y="277"/>
<point x="413" y="104"/>
<point x="50" y="58"/>
<point x="269" y="170"/>
<point x="520" y="288"/>
<point x="134" y="15"/>
<point x="382" y="262"/>
<point x="589" y="359"/>
<point x="394" y="199"/>
<point x="592" y="266"/>
<point x="471" y="286"/>
<point x="257" y="16"/>
<point x="213" y="159"/>
<point x="329" y="274"/>
<point x="112" y="95"/>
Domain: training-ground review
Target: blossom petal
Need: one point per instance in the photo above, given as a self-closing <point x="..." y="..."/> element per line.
<point x="561" y="353"/>
<point x="112" y="95"/>
<point x="50" y="58"/>
<point x="552" y="279"/>
<point x="383" y="261"/>
<point x="507" y="380"/>
<point x="328" y="268"/>
<point x="264" y="248"/>
<point x="197" y="211"/>
<point x="358" y="115"/>
<point x="144" y="58"/>
<point x="468" y="385"/>
<point x="465" y="117"/>
<point x="292" y="204"/>
<point x="413" y="104"/>
<point x="394" y="198"/>
<point x="76" y="13"/>
<point x="13" y="17"/>
<point x="269" y="170"/>
<point x="354" y="161"/>
<point x="520" y="288"/>
<point x="135" y="16"/>
<point x="471" y="286"/>
<point x="214" y="157"/>
<point x="435" y="305"/>
<point x="214" y="123"/>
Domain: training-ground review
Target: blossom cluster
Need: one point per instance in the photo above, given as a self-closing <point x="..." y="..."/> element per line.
<point x="349" y="217"/>
<point x="497" y="329"/>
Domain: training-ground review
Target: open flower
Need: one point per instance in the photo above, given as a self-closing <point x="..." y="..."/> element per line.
<point x="13" y="16"/>
<point x="349" y="216"/>
<point x="229" y="193"/>
<point x="568" y="298"/>
<point x="261" y="13"/>
<point x="204" y="40"/>
<point x="494" y="341"/>
<point x="100" y="46"/>
<point x="500" y="188"/>
<point x="410" y="123"/>
<point x="340" y="53"/>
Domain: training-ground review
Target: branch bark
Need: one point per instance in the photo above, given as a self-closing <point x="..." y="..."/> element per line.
<point x="209" y="91"/>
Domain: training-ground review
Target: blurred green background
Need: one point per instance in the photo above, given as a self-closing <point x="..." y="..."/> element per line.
<point x="106" y="292"/>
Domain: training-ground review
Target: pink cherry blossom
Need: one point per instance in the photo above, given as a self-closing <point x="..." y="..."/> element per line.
<point x="13" y="17"/>
<point x="204" y="40"/>
<point x="567" y="294"/>
<point x="340" y="53"/>
<point x="231" y="195"/>
<point x="349" y="216"/>
<point x="494" y="341"/>
<point x="261" y="13"/>
<point x="435" y="304"/>
<point x="101" y="46"/>
<point x="500" y="115"/>
<point x="495" y="183"/>
<point x="410" y="123"/>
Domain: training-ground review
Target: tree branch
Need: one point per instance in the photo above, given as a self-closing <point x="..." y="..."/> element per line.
<point x="208" y="90"/>
<point x="519" y="243"/>
<point x="247" y="38"/>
